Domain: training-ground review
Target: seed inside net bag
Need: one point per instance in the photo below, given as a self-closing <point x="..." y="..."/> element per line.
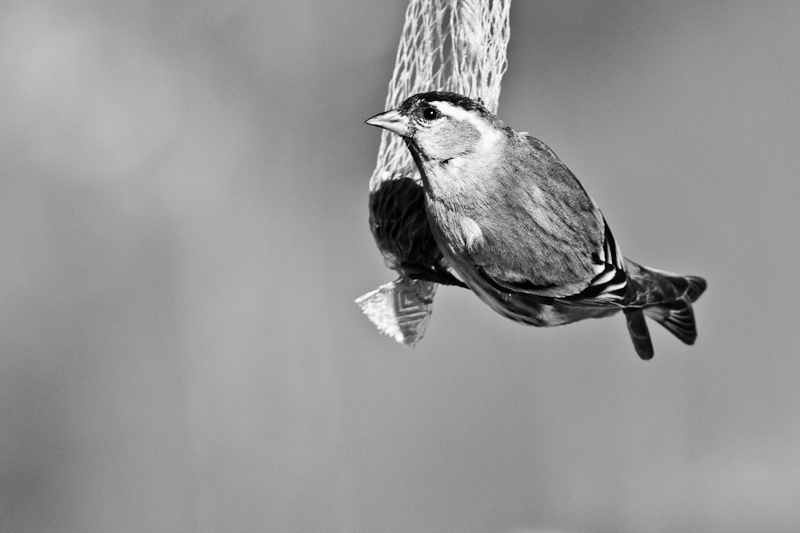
<point x="446" y="45"/>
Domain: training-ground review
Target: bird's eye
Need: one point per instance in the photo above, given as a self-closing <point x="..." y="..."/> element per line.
<point x="430" y="113"/>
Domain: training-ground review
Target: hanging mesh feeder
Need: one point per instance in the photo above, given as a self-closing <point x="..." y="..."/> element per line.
<point x="447" y="45"/>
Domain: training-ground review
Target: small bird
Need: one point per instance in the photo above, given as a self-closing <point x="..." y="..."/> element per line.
<point x="519" y="229"/>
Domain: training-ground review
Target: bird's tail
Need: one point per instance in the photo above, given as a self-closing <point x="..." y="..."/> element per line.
<point x="666" y="298"/>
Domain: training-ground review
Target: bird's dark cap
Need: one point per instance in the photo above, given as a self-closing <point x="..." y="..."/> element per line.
<point x="441" y="96"/>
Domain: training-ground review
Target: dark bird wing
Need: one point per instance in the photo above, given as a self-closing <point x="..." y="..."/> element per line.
<point x="544" y="235"/>
<point x="607" y="286"/>
<point x="614" y="282"/>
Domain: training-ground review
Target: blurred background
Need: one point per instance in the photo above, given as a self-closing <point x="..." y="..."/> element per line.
<point x="183" y="230"/>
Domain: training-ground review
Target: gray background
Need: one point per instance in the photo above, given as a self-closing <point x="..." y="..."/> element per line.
<point x="183" y="229"/>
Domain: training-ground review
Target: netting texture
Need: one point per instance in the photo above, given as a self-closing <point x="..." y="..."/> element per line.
<point x="446" y="45"/>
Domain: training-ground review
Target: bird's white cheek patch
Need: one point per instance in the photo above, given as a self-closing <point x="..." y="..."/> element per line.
<point x="490" y="137"/>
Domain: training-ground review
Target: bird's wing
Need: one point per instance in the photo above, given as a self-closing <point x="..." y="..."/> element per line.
<point x="609" y="285"/>
<point x="547" y="237"/>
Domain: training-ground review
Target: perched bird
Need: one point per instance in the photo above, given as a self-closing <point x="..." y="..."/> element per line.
<point x="519" y="229"/>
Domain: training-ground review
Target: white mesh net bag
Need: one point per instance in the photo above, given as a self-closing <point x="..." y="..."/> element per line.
<point x="446" y="45"/>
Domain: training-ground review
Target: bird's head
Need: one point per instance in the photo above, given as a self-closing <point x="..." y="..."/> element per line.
<point x="442" y="126"/>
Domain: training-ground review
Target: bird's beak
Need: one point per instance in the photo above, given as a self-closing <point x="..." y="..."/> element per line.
<point x="390" y="120"/>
